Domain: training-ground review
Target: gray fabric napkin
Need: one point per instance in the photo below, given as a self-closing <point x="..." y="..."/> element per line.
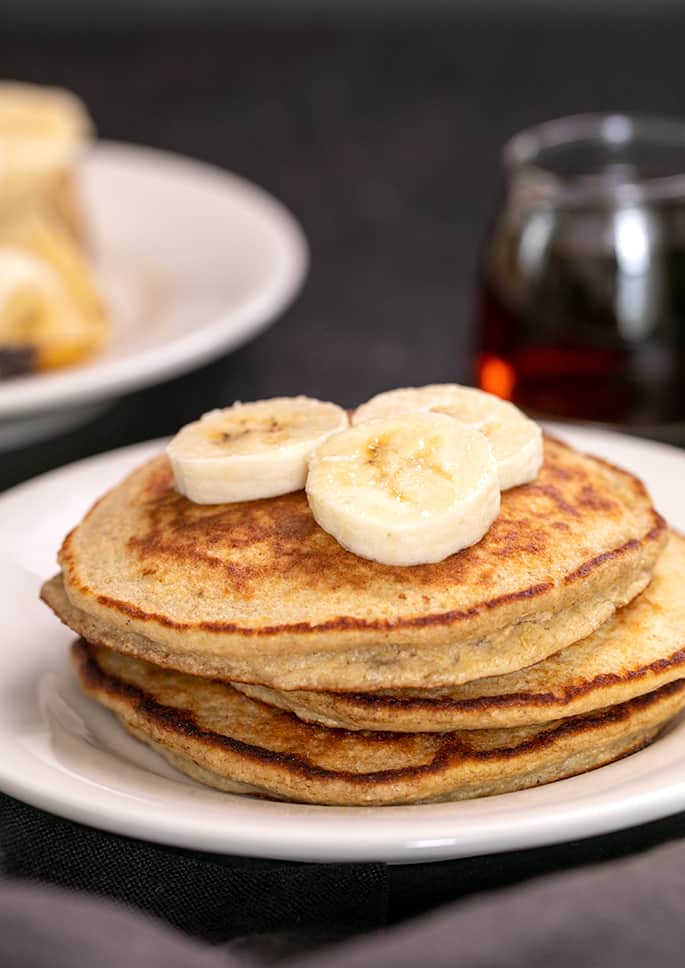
<point x="626" y="914"/>
<point x="214" y="897"/>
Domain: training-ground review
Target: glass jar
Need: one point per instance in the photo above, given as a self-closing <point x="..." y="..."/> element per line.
<point x="582" y="305"/>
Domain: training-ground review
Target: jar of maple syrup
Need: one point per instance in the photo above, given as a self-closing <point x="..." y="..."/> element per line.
<point x="582" y="305"/>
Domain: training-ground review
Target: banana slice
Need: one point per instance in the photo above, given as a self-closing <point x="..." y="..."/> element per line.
<point x="46" y="240"/>
<point x="36" y="313"/>
<point x="251" y="450"/>
<point x="516" y="441"/>
<point x="26" y="287"/>
<point x="405" y="490"/>
<point x="42" y="130"/>
<point x="47" y="297"/>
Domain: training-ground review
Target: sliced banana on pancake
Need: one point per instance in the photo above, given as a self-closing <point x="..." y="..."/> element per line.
<point x="516" y="440"/>
<point x="405" y="490"/>
<point x="251" y="450"/>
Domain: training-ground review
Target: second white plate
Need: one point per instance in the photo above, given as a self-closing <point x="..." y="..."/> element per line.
<point x="193" y="262"/>
<point x="64" y="753"/>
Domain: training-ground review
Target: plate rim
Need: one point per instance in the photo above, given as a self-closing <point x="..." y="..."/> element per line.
<point x="34" y="393"/>
<point x="304" y="832"/>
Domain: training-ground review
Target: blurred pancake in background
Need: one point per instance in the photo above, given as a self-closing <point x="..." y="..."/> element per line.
<point x="51" y="312"/>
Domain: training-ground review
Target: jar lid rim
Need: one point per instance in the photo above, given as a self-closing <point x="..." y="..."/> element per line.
<point x="521" y="154"/>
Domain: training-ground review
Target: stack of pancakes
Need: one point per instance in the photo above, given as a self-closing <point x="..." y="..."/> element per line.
<point x="258" y="656"/>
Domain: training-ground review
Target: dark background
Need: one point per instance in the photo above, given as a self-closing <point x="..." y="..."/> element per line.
<point x="382" y="134"/>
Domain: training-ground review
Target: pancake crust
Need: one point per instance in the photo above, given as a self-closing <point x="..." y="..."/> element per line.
<point x="223" y="738"/>
<point x="257" y="592"/>
<point x="640" y="648"/>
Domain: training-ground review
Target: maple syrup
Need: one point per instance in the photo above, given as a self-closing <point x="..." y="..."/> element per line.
<point x="581" y="312"/>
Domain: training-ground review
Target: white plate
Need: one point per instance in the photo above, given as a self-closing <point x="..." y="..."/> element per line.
<point x="193" y="261"/>
<point x="64" y="753"/>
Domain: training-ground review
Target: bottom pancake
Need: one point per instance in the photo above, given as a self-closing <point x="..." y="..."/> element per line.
<point x="226" y="740"/>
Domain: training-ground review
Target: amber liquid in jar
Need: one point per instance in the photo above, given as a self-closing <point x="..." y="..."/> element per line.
<point x="581" y="313"/>
<point x="570" y="373"/>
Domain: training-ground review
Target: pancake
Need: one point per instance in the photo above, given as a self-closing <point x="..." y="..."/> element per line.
<point x="640" y="648"/>
<point x="226" y="740"/>
<point x="257" y="592"/>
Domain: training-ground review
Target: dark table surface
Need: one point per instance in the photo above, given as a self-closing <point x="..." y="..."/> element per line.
<point x="384" y="141"/>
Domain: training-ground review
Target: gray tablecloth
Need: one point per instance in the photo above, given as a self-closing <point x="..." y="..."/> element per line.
<point x="628" y="914"/>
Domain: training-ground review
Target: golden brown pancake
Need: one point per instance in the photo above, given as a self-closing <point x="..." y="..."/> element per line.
<point x="226" y="740"/>
<point x="257" y="592"/>
<point x="640" y="648"/>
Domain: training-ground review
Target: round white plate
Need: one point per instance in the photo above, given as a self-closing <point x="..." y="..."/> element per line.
<point x="193" y="261"/>
<point x="62" y="752"/>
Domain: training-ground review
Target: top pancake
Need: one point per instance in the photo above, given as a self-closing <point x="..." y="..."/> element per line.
<point x="257" y="592"/>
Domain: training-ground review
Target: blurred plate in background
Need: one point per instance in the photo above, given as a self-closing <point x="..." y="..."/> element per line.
<point x="193" y="262"/>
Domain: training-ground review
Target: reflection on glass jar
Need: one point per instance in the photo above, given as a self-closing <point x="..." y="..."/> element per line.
<point x="582" y="310"/>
